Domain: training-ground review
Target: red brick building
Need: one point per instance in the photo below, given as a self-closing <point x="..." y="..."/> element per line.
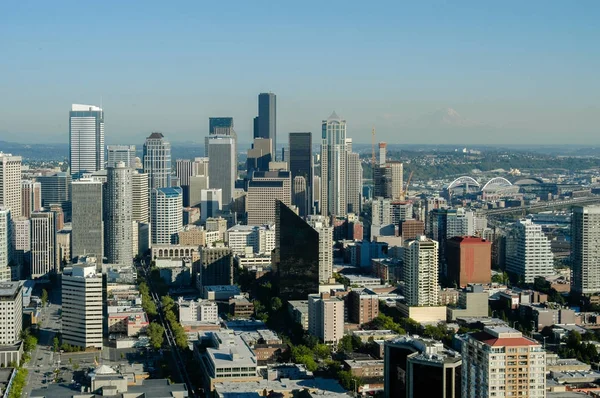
<point x="469" y="260"/>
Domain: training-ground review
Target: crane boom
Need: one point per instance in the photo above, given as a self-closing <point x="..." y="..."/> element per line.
<point x="405" y="190"/>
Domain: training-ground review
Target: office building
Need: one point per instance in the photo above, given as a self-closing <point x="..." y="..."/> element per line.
<point x="445" y="223"/>
<point x="216" y="267"/>
<point x="410" y="229"/>
<point x="6" y="244"/>
<point x="86" y="139"/>
<point x="87" y="219"/>
<point x="10" y="183"/>
<point x="354" y="182"/>
<point x="139" y="197"/>
<point x="22" y="243"/>
<point x="388" y="181"/>
<point x="43" y="244"/>
<point x="183" y="171"/>
<point x="220" y="126"/>
<point x="419" y="367"/>
<point x="363" y="306"/>
<point x="82" y="320"/>
<point x="382" y="154"/>
<point x="421" y="270"/>
<point x="63" y="247"/>
<point x="469" y="260"/>
<point x="11" y="307"/>
<point x="211" y="203"/>
<point x="333" y="167"/>
<point x="222" y="172"/>
<point x="528" y="253"/>
<point x="585" y="238"/>
<point x="500" y="362"/>
<point x="192" y="311"/>
<point x="267" y="119"/>
<point x="321" y="225"/>
<point x="326" y="318"/>
<point x="157" y="161"/>
<point x="301" y="165"/>
<point x="260" y="154"/>
<point x="119" y="209"/>
<point x="296" y="255"/>
<point x="264" y="189"/>
<point x="166" y="206"/>
<point x="121" y="153"/>
<point x="56" y="188"/>
<point x="300" y="196"/>
<point x="31" y="197"/>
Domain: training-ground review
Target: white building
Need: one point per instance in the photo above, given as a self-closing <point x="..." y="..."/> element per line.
<point x="333" y="167"/>
<point x="585" y="237"/>
<point x="86" y="139"/>
<point x="500" y="362"/>
<point x="264" y="189"/>
<point x="167" y="215"/>
<point x="118" y="220"/>
<point x="211" y="202"/>
<point x="82" y="320"/>
<point x="321" y="225"/>
<point x="43" y="244"/>
<point x="257" y="239"/>
<point x="6" y="243"/>
<point x="157" y="161"/>
<point x="11" y="308"/>
<point x="10" y="183"/>
<point x="528" y="251"/>
<point x="139" y="197"/>
<point x="421" y="269"/>
<point x="191" y="311"/>
<point x="326" y="318"/>
<point x="120" y="153"/>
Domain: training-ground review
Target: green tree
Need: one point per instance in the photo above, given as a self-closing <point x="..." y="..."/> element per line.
<point x="156" y="334"/>
<point x="322" y="351"/>
<point x="345" y="344"/>
<point x="276" y="303"/>
<point x="44" y="297"/>
<point x="167" y="303"/>
<point x="55" y="343"/>
<point x="348" y="381"/>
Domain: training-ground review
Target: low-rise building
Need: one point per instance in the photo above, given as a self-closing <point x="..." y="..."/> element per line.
<point x="220" y="292"/>
<point x="192" y="311"/>
<point x="387" y="269"/>
<point x="130" y="323"/>
<point x="370" y="371"/>
<point x="363" y="306"/>
<point x="363" y="281"/>
<point x="298" y="309"/>
<point x="367" y="335"/>
<point x="240" y="307"/>
<point x="472" y="303"/>
<point x="175" y="272"/>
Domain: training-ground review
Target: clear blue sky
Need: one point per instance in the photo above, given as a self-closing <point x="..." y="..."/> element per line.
<point x="514" y="69"/>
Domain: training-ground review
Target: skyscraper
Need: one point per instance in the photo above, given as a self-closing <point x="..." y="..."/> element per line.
<point x="56" y="189"/>
<point x="10" y="183"/>
<point x="585" y="237"/>
<point x="421" y="270"/>
<point x="388" y="181"/>
<point x="469" y="260"/>
<point x="528" y="251"/>
<point x="120" y="153"/>
<point x="31" y="197"/>
<point x="222" y="126"/>
<point x="326" y="318"/>
<point x="259" y="156"/>
<point x="296" y="256"/>
<point x="267" y="119"/>
<point x="119" y="220"/>
<point x="6" y="244"/>
<point x="87" y="219"/>
<point x="264" y="189"/>
<point x="299" y="195"/>
<point x="222" y="172"/>
<point x="157" y="161"/>
<point x="43" y="244"/>
<point x="140" y="199"/>
<point x="300" y="165"/>
<point x="166" y="209"/>
<point x="86" y="139"/>
<point x="333" y="167"/>
<point x="321" y="225"/>
<point x="82" y="306"/>
<point x="211" y="202"/>
<point x="354" y="183"/>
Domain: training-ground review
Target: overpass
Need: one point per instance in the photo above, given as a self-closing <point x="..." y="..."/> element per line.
<point x="541" y="206"/>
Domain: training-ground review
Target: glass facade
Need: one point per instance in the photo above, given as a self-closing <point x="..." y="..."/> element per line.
<point x="300" y="162"/>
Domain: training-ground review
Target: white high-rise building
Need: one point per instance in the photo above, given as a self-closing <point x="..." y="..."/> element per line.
<point x="222" y="172"/>
<point x="6" y="244"/>
<point x="528" y="252"/>
<point x="321" y="225"/>
<point x="157" y="161"/>
<point x="86" y="139"/>
<point x="167" y="215"/>
<point x="82" y="306"/>
<point x="10" y="183"/>
<point x="87" y="218"/>
<point x="119" y="220"/>
<point x="211" y="202"/>
<point x="421" y="269"/>
<point x="184" y="170"/>
<point x="261" y="239"/>
<point x="120" y="153"/>
<point x="140" y="199"/>
<point x="43" y="244"/>
<point x="11" y="308"/>
<point x="501" y="362"/>
<point x="333" y="167"/>
<point x="326" y="318"/>
<point x="585" y="249"/>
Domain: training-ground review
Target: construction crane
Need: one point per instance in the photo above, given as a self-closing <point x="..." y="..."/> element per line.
<point x="373" y="148"/>
<point x="404" y="191"/>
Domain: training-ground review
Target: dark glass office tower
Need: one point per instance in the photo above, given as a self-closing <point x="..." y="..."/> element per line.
<point x="215" y="123"/>
<point x="267" y="119"/>
<point x="300" y="163"/>
<point x="296" y="257"/>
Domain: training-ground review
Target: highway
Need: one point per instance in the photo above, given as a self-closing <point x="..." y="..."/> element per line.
<point x="180" y="364"/>
<point x="543" y="206"/>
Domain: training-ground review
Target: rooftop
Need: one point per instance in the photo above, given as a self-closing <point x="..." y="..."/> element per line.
<point x="9" y="289"/>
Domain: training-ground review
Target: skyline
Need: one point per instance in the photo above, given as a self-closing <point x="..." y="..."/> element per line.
<point x="507" y="71"/>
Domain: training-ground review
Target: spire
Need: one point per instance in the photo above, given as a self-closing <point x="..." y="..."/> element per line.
<point x="334" y="116"/>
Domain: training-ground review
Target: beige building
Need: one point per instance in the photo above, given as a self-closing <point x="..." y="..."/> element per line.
<point x="10" y="183"/>
<point x="421" y="271"/>
<point x="264" y="190"/>
<point x="31" y="197"/>
<point x="140" y="199"/>
<point x="11" y="307"/>
<point x="326" y="318"/>
<point x="192" y="236"/>
<point x="321" y="225"/>
<point x="501" y="362"/>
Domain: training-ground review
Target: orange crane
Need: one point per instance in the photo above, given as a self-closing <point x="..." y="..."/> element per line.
<point x="404" y="190"/>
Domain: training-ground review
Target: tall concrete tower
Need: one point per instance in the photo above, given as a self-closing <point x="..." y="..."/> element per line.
<point x="119" y="220"/>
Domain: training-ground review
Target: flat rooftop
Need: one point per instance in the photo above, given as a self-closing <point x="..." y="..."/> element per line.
<point x="9" y="290"/>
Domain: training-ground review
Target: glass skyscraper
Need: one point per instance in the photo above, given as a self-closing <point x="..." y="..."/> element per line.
<point x="296" y="255"/>
<point x="86" y="139"/>
<point x="217" y="123"/>
<point x="266" y="126"/>
<point x="157" y="161"/>
<point x="300" y="162"/>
